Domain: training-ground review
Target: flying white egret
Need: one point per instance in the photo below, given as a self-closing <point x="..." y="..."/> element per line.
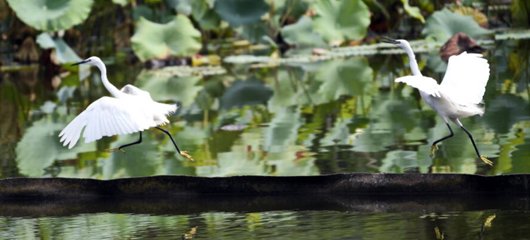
<point x="131" y="110"/>
<point x="462" y="88"/>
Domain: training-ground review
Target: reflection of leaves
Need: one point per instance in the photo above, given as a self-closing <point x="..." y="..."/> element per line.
<point x="249" y="92"/>
<point x="443" y="24"/>
<point x="40" y="147"/>
<point x="241" y="12"/>
<point x="63" y="52"/>
<point x="51" y="15"/>
<point x="282" y="130"/>
<point x="302" y="34"/>
<point x="176" y="38"/>
<point x="142" y="159"/>
<point x="398" y="161"/>
<point x="344" y="77"/>
<point x="337" y="21"/>
<point x="284" y="91"/>
<point x="504" y="111"/>
<point x="182" y="89"/>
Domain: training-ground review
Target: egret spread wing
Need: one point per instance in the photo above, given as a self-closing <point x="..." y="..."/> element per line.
<point x="107" y="117"/>
<point x="425" y="84"/>
<point x="466" y="78"/>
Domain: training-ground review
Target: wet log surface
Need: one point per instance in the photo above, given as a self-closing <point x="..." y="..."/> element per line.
<point x="340" y="192"/>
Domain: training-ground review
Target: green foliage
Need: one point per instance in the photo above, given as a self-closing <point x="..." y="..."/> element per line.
<point x="176" y="38"/>
<point x="302" y="34"/>
<point x="349" y="76"/>
<point x="205" y="15"/>
<point x="521" y="13"/>
<point x="443" y="24"/>
<point x="241" y="12"/>
<point x="166" y="88"/>
<point x="51" y="15"/>
<point x="248" y="92"/>
<point x="338" y="21"/>
<point x="414" y="12"/>
<point x="63" y="52"/>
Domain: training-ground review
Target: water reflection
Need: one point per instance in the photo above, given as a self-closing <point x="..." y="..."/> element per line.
<point x="343" y="115"/>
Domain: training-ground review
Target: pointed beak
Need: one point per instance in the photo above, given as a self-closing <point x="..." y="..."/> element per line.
<point x="84" y="61"/>
<point x="389" y="40"/>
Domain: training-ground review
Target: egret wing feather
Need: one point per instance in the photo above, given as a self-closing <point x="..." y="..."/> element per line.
<point x="107" y="117"/>
<point x="466" y="78"/>
<point x="425" y="84"/>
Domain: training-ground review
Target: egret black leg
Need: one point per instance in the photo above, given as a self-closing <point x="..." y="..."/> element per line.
<point x="434" y="147"/>
<point x="126" y="145"/>
<point x="481" y="157"/>
<point x="183" y="153"/>
<point x="170" y="137"/>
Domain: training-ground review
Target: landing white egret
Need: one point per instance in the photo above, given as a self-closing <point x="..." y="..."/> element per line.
<point x="458" y="95"/>
<point x="131" y="110"/>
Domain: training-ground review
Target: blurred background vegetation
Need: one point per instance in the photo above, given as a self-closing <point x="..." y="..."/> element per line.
<point x="274" y="87"/>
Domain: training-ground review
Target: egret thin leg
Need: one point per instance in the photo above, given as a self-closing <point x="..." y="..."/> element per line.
<point x="434" y="147"/>
<point x="481" y="157"/>
<point x="127" y="145"/>
<point x="170" y="137"/>
<point x="183" y="153"/>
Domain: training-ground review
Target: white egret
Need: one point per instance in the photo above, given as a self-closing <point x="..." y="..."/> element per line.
<point x="131" y="110"/>
<point x="458" y="95"/>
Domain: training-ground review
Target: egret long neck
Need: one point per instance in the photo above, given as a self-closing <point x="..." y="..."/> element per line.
<point x="111" y="88"/>
<point x="412" y="62"/>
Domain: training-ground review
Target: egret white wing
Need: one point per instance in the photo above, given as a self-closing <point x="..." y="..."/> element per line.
<point x="108" y="117"/>
<point x="466" y="78"/>
<point x="132" y="90"/>
<point x="425" y="84"/>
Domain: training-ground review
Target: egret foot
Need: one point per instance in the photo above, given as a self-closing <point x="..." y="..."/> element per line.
<point x="116" y="149"/>
<point x="185" y="154"/>
<point x="486" y="160"/>
<point x="433" y="149"/>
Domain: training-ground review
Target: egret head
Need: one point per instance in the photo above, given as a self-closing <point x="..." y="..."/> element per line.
<point x="398" y="42"/>
<point x="90" y="61"/>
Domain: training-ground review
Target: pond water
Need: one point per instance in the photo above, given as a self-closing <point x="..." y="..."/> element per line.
<point x="342" y="115"/>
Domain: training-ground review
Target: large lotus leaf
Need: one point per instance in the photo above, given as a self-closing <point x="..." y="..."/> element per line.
<point x="302" y="34"/>
<point x="176" y="38"/>
<point x="337" y="20"/>
<point x="241" y="12"/>
<point x="63" y="52"/>
<point x="204" y="15"/>
<point x="51" y="15"/>
<point x="249" y="92"/>
<point x="340" y="77"/>
<point x="443" y="24"/>
<point x="40" y="147"/>
<point x="165" y="88"/>
<point x="413" y="11"/>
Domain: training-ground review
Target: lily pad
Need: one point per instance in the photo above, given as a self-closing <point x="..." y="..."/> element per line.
<point x="338" y="21"/>
<point x="302" y="34"/>
<point x="51" y="15"/>
<point x="63" y="52"/>
<point x="176" y="38"/>
<point x="241" y="12"/>
<point x="443" y="24"/>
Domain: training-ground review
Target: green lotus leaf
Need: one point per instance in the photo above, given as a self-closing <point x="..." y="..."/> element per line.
<point x="338" y="21"/>
<point x="249" y="92"/>
<point x="413" y="11"/>
<point x="443" y="24"/>
<point x="282" y="130"/>
<point x="302" y="34"/>
<point x="40" y="147"/>
<point x="63" y="52"/>
<point x="165" y="88"/>
<point x="204" y="15"/>
<point x="340" y="77"/>
<point x="51" y="15"/>
<point x="241" y="12"/>
<point x="176" y="38"/>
